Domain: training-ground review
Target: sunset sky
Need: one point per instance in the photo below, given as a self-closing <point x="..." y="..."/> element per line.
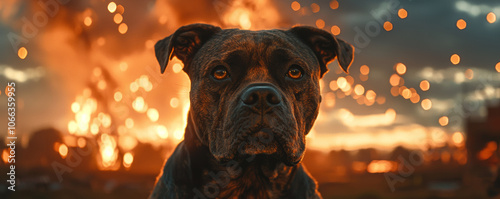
<point x="453" y="45"/>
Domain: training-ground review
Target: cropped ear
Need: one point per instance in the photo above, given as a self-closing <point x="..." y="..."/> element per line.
<point x="325" y="46"/>
<point x="183" y="44"/>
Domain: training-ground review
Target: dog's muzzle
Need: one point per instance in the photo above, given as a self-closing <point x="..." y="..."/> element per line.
<point x="261" y="97"/>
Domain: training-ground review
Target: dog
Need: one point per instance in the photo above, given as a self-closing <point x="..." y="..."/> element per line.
<point x="254" y="97"/>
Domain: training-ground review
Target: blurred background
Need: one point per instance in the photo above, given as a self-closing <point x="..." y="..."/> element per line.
<point x="418" y="116"/>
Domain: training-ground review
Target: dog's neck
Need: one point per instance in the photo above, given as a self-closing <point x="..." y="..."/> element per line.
<point x="259" y="176"/>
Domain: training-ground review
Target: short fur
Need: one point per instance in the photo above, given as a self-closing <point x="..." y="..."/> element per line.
<point x="232" y="149"/>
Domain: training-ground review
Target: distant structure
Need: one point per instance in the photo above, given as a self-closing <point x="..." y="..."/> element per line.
<point x="483" y="138"/>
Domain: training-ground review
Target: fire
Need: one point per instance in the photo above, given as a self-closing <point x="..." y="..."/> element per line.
<point x="381" y="166"/>
<point x="245" y="14"/>
<point x="108" y="152"/>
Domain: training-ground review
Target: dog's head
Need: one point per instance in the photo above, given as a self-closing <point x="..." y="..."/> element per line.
<point x="254" y="92"/>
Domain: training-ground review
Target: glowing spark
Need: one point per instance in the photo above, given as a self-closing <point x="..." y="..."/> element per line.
<point x="364" y="69"/>
<point x="426" y="104"/>
<point x="118" y="18"/>
<point x="139" y="105"/>
<point x="406" y="93"/>
<point x="122" y="28"/>
<point x="178" y="134"/>
<point x="341" y="82"/>
<point x="334" y="4"/>
<point x="123" y="66"/>
<point x="118" y="96"/>
<point x="320" y="23"/>
<point x="335" y="30"/>
<point x="402" y="13"/>
<point x="455" y="59"/>
<point x="112" y="7"/>
<point x="75" y="107"/>
<point x="87" y="21"/>
<point x="177" y="68"/>
<point x="101" y="84"/>
<point x="22" y="53"/>
<point x="457" y="138"/>
<point x="359" y="89"/>
<point x="443" y="121"/>
<point x="153" y="114"/>
<point x="425" y="85"/>
<point x="162" y="132"/>
<point x="129" y="123"/>
<point x="388" y="26"/>
<point x="81" y="142"/>
<point x="401" y="68"/>
<point x="491" y="17"/>
<point x="128" y="158"/>
<point x="394" y="80"/>
<point x="295" y="6"/>
<point x="497" y="67"/>
<point x="333" y="85"/>
<point x="315" y="7"/>
<point x="63" y="150"/>
<point x="134" y="87"/>
<point x="72" y="127"/>
<point x="174" y="102"/>
<point x="415" y="98"/>
<point x="370" y="95"/>
<point x="461" y="24"/>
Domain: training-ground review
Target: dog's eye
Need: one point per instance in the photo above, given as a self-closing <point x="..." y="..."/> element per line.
<point x="295" y="72"/>
<point x="220" y="72"/>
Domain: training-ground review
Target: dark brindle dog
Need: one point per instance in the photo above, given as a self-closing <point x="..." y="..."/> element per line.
<point x="254" y="97"/>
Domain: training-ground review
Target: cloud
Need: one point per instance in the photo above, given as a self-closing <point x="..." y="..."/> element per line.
<point x="476" y="9"/>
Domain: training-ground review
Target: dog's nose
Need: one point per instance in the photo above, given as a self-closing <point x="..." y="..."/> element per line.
<point x="261" y="95"/>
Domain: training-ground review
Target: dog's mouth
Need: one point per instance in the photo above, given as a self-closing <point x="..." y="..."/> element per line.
<point x="261" y="141"/>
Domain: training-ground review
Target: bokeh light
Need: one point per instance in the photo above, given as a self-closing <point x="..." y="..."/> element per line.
<point x="455" y="59"/>
<point x="402" y="13"/>
<point x="426" y="104"/>
<point x="443" y="121"/>
<point x="364" y="69"/>
<point x="22" y="52"/>
<point x="295" y="6"/>
<point x="320" y="23"/>
<point x="112" y="7"/>
<point x="425" y="85"/>
<point x="461" y="24"/>
<point x="335" y="30"/>
<point x="315" y="7"/>
<point x="334" y="4"/>
<point x="401" y="68"/>
<point x="388" y="26"/>
<point x="491" y="17"/>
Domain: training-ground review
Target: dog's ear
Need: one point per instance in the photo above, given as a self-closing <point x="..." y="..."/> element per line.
<point x="183" y="43"/>
<point x="325" y="46"/>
